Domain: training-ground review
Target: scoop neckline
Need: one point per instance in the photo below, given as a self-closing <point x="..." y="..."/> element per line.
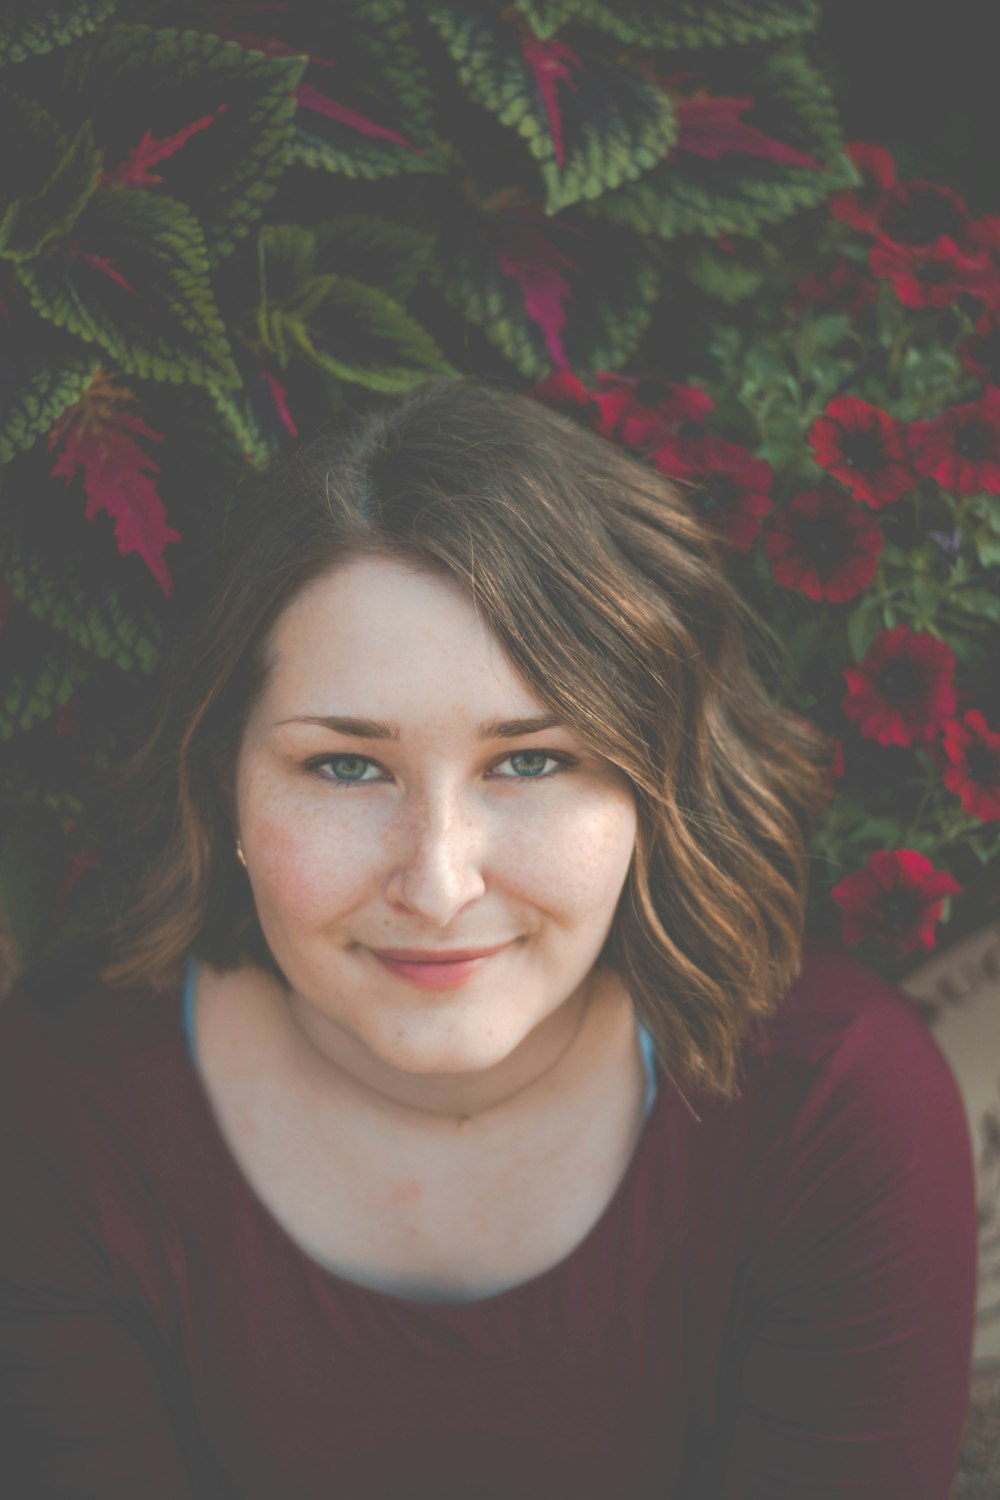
<point x="462" y="1310"/>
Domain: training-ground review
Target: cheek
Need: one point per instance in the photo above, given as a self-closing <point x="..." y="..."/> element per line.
<point x="301" y="865"/>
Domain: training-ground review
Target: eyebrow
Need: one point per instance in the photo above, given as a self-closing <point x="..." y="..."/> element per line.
<point x="382" y="729"/>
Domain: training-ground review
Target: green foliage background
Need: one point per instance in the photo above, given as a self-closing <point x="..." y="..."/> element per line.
<point x="218" y="223"/>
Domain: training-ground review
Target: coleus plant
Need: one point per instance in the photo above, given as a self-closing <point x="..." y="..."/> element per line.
<point x="845" y="447"/>
<point x="221" y="221"/>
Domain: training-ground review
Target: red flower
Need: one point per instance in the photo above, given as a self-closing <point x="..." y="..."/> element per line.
<point x="731" y="486"/>
<point x="970" y="756"/>
<point x="824" y="546"/>
<point x="902" y="692"/>
<point x="984" y="239"/>
<point x="646" y="410"/>
<point x="846" y="287"/>
<point x="932" y="275"/>
<point x="565" y="391"/>
<point x="895" y="898"/>
<point x="919" y="212"/>
<point x="862" y="207"/>
<point x="863" y="447"/>
<point x="961" y="447"/>
<point x="980" y="351"/>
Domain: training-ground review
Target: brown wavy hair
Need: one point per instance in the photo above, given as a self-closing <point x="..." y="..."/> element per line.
<point x="609" y="595"/>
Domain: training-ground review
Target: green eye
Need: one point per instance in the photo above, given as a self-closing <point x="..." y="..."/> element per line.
<point x="563" y="763"/>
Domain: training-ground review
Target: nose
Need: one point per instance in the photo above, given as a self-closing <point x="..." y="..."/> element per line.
<point x="440" y="867"/>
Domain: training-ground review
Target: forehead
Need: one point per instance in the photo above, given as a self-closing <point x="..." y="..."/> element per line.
<point x="376" y="624"/>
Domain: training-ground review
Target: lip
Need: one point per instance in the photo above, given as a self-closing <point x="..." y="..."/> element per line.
<point x="443" y="975"/>
<point x="435" y="955"/>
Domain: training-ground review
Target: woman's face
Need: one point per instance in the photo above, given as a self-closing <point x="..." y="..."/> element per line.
<point x="437" y="839"/>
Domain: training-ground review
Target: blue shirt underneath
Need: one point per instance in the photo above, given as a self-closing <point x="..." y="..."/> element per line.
<point x="645" y="1039"/>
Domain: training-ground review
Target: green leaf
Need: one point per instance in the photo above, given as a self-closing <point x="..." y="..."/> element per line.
<point x="135" y="281"/>
<point x="31" y="27"/>
<point x="690" y="24"/>
<point x="30" y="224"/>
<point x="545" y="17"/>
<point x="375" y="115"/>
<point x="612" y="285"/>
<point x="721" y="276"/>
<point x="608" y="124"/>
<point x="29" y="697"/>
<point x="57" y="590"/>
<point x="977" y="602"/>
<point x="738" y="194"/>
<point x="382" y="252"/>
<point x="863" y="625"/>
<point x="130" y="80"/>
<point x="45" y="376"/>
<point x="987" y="547"/>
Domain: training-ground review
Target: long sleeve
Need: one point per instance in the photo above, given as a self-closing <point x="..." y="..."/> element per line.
<point x="82" y="1410"/>
<point x="856" y="1379"/>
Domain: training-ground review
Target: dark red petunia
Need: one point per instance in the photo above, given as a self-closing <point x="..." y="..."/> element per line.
<point x="862" y="207"/>
<point x="984" y="239"/>
<point x="846" y="287"/>
<point x="824" y="546"/>
<point x="969" y="756"/>
<point x="932" y="275"/>
<point x="864" y="448"/>
<point x="645" y="411"/>
<point x="896" y="899"/>
<point x="918" y="212"/>
<point x="731" y="488"/>
<point x="980" y="350"/>
<point x="563" y="390"/>
<point x="961" y="447"/>
<point x="903" y="691"/>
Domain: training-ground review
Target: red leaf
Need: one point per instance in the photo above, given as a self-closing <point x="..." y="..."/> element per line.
<point x="97" y="436"/>
<point x="710" y="127"/>
<point x="532" y="260"/>
<point x="102" y="264"/>
<point x="549" y="63"/>
<point x="309" y="97"/>
<point x="134" y="170"/>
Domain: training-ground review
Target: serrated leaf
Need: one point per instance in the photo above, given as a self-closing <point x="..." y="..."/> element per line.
<point x="589" y="122"/>
<point x="546" y="16"/>
<point x="28" y="698"/>
<point x="738" y="194"/>
<point x="345" y="328"/>
<point x="137" y="82"/>
<point x="29" y="27"/>
<point x="42" y="143"/>
<point x="56" y="590"/>
<point x="373" y="116"/>
<point x="134" y="280"/>
<point x="691" y="24"/>
<point x="98" y="438"/>
<point x="381" y="252"/>
<point x="30" y="224"/>
<point x="601" y="317"/>
<point x="39" y="378"/>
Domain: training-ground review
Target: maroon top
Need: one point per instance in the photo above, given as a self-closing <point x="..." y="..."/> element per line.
<point x="777" y="1304"/>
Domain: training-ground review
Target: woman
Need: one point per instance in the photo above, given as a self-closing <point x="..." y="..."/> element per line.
<point x="644" y="1195"/>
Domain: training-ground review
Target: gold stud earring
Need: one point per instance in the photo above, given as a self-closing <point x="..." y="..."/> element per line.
<point x="240" y="855"/>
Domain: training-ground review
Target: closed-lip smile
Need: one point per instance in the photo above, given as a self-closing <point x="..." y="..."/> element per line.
<point x="435" y="955"/>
